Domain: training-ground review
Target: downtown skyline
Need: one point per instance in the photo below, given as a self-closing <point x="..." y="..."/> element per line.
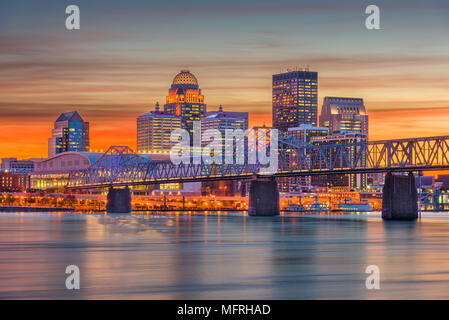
<point x="113" y="72"/>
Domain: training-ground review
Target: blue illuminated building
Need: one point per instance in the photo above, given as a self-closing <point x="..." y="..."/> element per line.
<point x="70" y="133"/>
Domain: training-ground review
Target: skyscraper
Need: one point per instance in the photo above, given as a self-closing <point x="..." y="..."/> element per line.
<point x="295" y="99"/>
<point x="230" y="114"/>
<point x="70" y="133"/>
<point x="185" y="100"/>
<point x="222" y="120"/>
<point x="154" y="129"/>
<point x="343" y="115"/>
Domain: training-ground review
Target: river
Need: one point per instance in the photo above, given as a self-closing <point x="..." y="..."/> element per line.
<point x="222" y="256"/>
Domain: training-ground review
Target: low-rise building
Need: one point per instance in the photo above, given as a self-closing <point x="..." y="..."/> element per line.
<point x="13" y="181"/>
<point x="53" y="172"/>
<point x="18" y="166"/>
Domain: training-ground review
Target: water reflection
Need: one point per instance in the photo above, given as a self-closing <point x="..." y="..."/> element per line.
<point x="222" y="256"/>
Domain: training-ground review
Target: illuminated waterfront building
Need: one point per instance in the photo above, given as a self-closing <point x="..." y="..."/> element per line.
<point x="17" y="166"/>
<point x="221" y="120"/>
<point x="342" y="181"/>
<point x="154" y="129"/>
<point x="53" y="172"/>
<point x="295" y="99"/>
<point x="13" y="181"/>
<point x="343" y="115"/>
<point x="185" y="100"/>
<point x="70" y="133"/>
<point x="375" y="179"/>
<point x="305" y="133"/>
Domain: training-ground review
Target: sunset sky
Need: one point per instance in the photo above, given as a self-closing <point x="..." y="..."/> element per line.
<point x="125" y="55"/>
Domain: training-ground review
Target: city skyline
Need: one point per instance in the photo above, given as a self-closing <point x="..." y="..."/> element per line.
<point x="112" y="74"/>
<point x="224" y="150"/>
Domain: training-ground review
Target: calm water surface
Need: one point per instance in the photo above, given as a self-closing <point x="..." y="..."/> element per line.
<point x="226" y="256"/>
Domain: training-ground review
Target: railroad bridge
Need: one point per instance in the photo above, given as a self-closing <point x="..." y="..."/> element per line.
<point x="121" y="167"/>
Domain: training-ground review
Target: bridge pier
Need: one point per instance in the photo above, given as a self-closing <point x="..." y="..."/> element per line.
<point x="263" y="197"/>
<point x="399" y="198"/>
<point x="119" y="200"/>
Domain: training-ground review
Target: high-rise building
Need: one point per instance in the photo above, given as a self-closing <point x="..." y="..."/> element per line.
<point x="305" y="132"/>
<point x="344" y="182"/>
<point x="230" y="114"/>
<point x="225" y="120"/>
<point x="70" y="133"/>
<point x="154" y="129"/>
<point x="185" y="100"/>
<point x="342" y="115"/>
<point x="221" y="120"/>
<point x="295" y="99"/>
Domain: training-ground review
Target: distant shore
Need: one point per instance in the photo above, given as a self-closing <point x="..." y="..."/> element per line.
<point x="32" y="209"/>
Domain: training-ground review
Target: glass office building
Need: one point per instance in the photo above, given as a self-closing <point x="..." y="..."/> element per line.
<point x="295" y="99"/>
<point x="153" y="131"/>
<point x="70" y="133"/>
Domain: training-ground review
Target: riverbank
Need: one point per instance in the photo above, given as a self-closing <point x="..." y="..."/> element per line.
<point x="33" y="209"/>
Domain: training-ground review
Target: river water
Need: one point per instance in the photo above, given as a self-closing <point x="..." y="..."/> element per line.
<point x="222" y="256"/>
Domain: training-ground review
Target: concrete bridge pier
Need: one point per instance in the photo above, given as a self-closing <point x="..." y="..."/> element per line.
<point x="263" y="197"/>
<point x="119" y="200"/>
<point x="400" y="198"/>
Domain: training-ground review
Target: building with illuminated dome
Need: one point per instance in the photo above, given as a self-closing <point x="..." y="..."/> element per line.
<point x="185" y="100"/>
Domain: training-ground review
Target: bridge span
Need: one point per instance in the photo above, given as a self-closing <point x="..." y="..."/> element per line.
<point x="121" y="167"/>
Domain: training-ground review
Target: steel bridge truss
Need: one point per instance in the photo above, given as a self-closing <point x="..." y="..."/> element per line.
<point x="121" y="166"/>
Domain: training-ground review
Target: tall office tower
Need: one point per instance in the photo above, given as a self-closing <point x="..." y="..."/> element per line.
<point x="295" y="99"/>
<point x="154" y="129"/>
<point x="306" y="131"/>
<point x="71" y="133"/>
<point x="230" y="114"/>
<point x="343" y="115"/>
<point x="224" y="120"/>
<point x="220" y="120"/>
<point x="185" y="100"/>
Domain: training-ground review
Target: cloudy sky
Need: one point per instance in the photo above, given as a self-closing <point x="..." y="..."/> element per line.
<point x="126" y="54"/>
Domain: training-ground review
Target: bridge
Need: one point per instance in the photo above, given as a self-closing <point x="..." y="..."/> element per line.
<point x="120" y="166"/>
